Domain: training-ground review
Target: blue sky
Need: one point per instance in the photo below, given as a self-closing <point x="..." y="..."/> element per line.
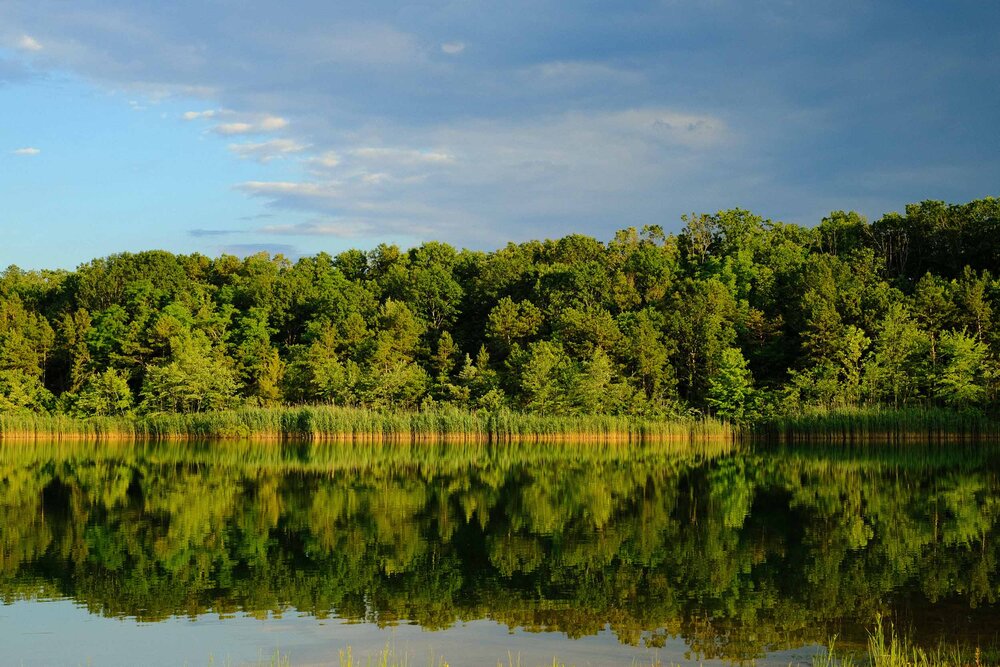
<point x="236" y="126"/>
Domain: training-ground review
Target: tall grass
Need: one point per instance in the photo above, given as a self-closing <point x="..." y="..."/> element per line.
<point x="873" y="424"/>
<point x="362" y="425"/>
<point x="888" y="649"/>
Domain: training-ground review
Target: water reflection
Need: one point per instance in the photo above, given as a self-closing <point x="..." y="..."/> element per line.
<point x="737" y="552"/>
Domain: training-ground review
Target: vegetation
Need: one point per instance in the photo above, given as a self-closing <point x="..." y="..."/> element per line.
<point x="360" y="424"/>
<point x="886" y="648"/>
<point x="883" y="424"/>
<point x="739" y="317"/>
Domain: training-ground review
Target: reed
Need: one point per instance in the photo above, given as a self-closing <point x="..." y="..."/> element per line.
<point x="881" y="424"/>
<point x="332" y="423"/>
<point x="888" y="649"/>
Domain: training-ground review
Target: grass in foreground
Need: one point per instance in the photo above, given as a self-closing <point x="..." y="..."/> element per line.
<point x="887" y="649"/>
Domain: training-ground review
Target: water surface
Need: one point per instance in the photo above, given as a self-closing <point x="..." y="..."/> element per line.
<point x="601" y="555"/>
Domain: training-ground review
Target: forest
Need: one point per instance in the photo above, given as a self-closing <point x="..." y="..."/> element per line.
<point x="735" y="317"/>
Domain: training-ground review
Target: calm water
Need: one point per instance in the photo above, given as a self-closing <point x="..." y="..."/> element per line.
<point x="185" y="554"/>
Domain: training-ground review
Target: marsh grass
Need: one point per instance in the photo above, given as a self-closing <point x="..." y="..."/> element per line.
<point x="362" y="425"/>
<point x="886" y="648"/>
<point x="880" y="424"/>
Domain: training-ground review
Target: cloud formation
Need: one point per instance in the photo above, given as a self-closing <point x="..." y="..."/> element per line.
<point x="321" y="227"/>
<point x="476" y="123"/>
<point x="260" y="125"/>
<point x="203" y="233"/>
<point x="28" y="43"/>
<point x="266" y="151"/>
<point x="195" y="115"/>
<point x="28" y="151"/>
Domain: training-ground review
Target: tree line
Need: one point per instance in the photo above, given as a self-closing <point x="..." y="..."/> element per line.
<point x="735" y="316"/>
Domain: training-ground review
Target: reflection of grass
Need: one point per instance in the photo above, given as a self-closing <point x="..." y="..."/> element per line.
<point x="255" y="456"/>
<point x="887" y="649"/>
<point x="388" y="657"/>
<point x="275" y="660"/>
<point x="358" y="424"/>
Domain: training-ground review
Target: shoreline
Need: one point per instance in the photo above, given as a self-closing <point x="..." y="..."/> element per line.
<point x="359" y="425"/>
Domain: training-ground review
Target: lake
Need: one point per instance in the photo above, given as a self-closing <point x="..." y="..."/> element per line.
<point x="231" y="553"/>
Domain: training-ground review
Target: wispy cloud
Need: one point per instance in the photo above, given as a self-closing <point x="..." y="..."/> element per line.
<point x="289" y="189"/>
<point x="195" y="115"/>
<point x="568" y="166"/>
<point x="266" y="151"/>
<point x="28" y="151"/>
<point x="503" y="121"/>
<point x="400" y="156"/>
<point x="322" y="227"/>
<point x="258" y="126"/>
<point x="28" y="43"/>
<point x="325" y="160"/>
<point x="208" y="233"/>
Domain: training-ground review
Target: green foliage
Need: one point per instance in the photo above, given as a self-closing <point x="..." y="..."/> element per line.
<point x="106" y="394"/>
<point x="730" y="390"/>
<point x="962" y="370"/>
<point x="846" y="314"/>
<point x="194" y="379"/>
<point x="20" y="391"/>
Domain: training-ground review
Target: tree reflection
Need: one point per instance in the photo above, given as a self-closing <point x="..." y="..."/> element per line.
<point x="737" y="552"/>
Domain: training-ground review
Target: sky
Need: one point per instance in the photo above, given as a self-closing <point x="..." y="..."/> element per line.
<point x="239" y="126"/>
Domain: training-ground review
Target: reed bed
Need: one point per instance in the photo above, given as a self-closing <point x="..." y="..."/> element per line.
<point x="331" y="423"/>
<point x="882" y="424"/>
<point x="886" y="648"/>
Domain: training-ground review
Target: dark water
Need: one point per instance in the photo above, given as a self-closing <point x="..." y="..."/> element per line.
<point x="189" y="554"/>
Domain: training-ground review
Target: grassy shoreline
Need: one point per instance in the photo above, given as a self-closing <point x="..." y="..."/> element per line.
<point x="361" y="425"/>
<point x="343" y="424"/>
<point x="881" y="424"/>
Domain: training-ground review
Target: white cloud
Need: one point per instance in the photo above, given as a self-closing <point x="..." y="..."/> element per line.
<point x="233" y="128"/>
<point x="571" y="167"/>
<point x="28" y="43"/>
<point x="270" y="123"/>
<point x="327" y="160"/>
<point x="259" y="125"/>
<point x="27" y="151"/>
<point x="304" y="190"/>
<point x="266" y="151"/>
<point x="453" y="48"/>
<point x="195" y="115"/>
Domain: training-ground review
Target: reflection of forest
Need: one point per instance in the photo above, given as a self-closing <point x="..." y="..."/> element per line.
<point x="735" y="551"/>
